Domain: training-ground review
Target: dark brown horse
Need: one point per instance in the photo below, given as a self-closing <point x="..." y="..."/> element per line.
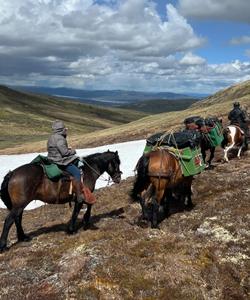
<point x="29" y="182"/>
<point x="159" y="174"/>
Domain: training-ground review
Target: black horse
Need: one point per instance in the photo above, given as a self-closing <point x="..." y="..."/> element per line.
<point x="29" y="182"/>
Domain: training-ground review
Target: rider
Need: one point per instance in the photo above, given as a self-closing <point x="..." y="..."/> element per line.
<point x="238" y="116"/>
<point x="64" y="156"/>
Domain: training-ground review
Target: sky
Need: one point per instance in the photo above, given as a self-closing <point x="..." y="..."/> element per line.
<point x="194" y="46"/>
<point x="129" y="153"/>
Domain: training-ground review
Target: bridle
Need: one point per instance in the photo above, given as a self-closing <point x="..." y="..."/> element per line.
<point x="116" y="175"/>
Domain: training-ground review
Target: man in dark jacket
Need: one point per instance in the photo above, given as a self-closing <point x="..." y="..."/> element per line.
<point x="237" y="116"/>
<point x="63" y="156"/>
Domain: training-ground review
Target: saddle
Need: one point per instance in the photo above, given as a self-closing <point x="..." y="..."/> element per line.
<point x="51" y="170"/>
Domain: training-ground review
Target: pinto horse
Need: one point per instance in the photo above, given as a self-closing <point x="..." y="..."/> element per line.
<point x="158" y="175"/>
<point x="233" y="137"/>
<point x="29" y="182"/>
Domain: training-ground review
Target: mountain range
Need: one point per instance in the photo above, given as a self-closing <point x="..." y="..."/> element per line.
<point x="106" y="97"/>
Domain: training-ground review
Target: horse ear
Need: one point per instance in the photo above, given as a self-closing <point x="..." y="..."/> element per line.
<point x="116" y="152"/>
<point x="108" y="150"/>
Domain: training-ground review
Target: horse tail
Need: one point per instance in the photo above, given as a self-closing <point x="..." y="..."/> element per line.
<point x="142" y="178"/>
<point x="5" y="196"/>
<point x="224" y="142"/>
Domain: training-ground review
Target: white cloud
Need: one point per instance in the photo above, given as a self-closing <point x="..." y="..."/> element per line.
<point x="191" y="59"/>
<point x="114" y="45"/>
<point x="230" y="10"/>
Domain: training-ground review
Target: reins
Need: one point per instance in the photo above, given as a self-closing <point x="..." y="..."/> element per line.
<point x="100" y="176"/>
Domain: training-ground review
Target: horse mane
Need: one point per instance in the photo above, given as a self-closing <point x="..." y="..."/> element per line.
<point x="95" y="158"/>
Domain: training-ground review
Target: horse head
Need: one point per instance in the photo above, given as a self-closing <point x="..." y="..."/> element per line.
<point x="113" y="168"/>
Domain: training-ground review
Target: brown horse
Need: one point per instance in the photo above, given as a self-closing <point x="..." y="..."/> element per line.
<point x="159" y="174"/>
<point x="233" y="137"/>
<point x="29" y="182"/>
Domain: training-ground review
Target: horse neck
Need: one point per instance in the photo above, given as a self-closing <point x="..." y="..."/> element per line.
<point x="96" y="166"/>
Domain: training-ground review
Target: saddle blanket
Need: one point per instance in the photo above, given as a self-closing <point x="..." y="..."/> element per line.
<point x="52" y="171"/>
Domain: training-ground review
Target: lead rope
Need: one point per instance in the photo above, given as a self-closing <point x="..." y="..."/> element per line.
<point x="99" y="175"/>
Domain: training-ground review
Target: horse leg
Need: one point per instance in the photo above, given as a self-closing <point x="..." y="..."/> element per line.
<point x="226" y="151"/>
<point x="203" y="153"/>
<point x="86" y="217"/>
<point x="239" y="152"/>
<point x="189" y="204"/>
<point x="155" y="211"/>
<point x="21" y="236"/>
<point x="156" y="201"/>
<point x="6" y="228"/>
<point x="212" y="150"/>
<point x="168" y="197"/>
<point x="72" y="223"/>
<point x="143" y="199"/>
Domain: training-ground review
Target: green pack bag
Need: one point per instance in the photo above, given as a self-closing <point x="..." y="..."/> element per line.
<point x="52" y="171"/>
<point x="190" y="160"/>
<point x="216" y="135"/>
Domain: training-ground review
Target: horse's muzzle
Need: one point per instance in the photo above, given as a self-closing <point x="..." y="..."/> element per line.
<point x="117" y="177"/>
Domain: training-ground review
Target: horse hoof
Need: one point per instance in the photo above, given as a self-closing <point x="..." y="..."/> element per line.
<point x="3" y="248"/>
<point x="25" y="238"/>
<point x="71" y="231"/>
<point x="85" y="226"/>
<point x="155" y="226"/>
<point x="189" y="207"/>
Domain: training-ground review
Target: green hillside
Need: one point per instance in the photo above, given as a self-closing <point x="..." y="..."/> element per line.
<point x="26" y="117"/>
<point x="217" y="105"/>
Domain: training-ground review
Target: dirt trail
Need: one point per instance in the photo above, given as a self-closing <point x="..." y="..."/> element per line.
<point x="201" y="254"/>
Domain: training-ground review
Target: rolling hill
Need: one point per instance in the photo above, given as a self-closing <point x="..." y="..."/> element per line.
<point x="217" y="105"/>
<point x="26" y="117"/>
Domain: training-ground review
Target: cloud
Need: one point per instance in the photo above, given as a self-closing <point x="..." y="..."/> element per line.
<point x="240" y="40"/>
<point x="191" y="59"/>
<point x="229" y="10"/>
<point x="105" y="44"/>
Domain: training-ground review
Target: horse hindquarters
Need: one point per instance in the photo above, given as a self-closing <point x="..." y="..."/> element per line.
<point x="17" y="191"/>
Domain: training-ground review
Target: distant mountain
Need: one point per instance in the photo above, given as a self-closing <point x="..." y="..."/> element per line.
<point x="157" y="106"/>
<point x="103" y="97"/>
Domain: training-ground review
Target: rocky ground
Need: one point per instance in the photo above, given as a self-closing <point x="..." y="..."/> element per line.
<point x="198" y="254"/>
